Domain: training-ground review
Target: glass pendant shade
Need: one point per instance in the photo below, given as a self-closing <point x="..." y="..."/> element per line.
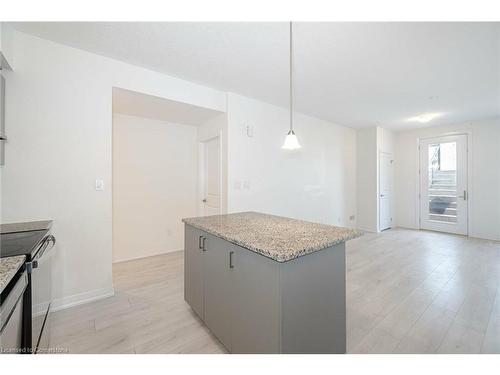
<point x="291" y="141"/>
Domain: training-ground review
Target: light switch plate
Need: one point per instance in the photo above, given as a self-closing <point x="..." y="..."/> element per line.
<point x="249" y="130"/>
<point x="99" y="185"/>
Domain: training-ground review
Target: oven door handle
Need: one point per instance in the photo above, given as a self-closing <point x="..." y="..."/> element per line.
<point x="46" y="244"/>
<point x="30" y="266"/>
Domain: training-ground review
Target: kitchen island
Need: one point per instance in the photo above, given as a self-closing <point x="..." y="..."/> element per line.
<point x="268" y="284"/>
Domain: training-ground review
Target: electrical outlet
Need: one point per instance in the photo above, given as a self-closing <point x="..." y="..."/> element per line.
<point x="352" y="217"/>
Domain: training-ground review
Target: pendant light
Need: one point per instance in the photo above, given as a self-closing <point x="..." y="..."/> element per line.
<point x="291" y="141"/>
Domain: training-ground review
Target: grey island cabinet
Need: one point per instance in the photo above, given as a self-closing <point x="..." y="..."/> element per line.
<point x="268" y="284"/>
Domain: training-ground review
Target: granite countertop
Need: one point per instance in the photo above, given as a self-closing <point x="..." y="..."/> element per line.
<point x="8" y="269"/>
<point x="279" y="238"/>
<point x="25" y="227"/>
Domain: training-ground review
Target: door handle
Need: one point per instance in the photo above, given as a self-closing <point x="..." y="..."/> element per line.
<point x="199" y="242"/>
<point x="231" y="265"/>
<point x="204" y="200"/>
<point x="464" y="197"/>
<point x="203" y="247"/>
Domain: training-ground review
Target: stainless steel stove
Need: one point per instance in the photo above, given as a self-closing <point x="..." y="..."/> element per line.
<point x="37" y="246"/>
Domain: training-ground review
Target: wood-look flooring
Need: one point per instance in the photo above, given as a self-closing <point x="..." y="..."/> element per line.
<point x="407" y="292"/>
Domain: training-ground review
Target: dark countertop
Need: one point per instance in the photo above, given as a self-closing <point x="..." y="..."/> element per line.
<point x="21" y="243"/>
<point x="279" y="238"/>
<point x="25" y="226"/>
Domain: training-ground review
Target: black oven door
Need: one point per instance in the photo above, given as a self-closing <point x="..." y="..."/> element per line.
<point x="41" y="295"/>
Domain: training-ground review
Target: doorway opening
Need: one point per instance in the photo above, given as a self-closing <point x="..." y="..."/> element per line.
<point x="159" y="146"/>
<point x="443" y="184"/>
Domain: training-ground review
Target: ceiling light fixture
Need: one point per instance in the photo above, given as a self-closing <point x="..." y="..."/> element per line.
<point x="425" y="117"/>
<point x="291" y="141"/>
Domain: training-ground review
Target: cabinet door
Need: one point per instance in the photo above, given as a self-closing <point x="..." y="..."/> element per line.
<point x="256" y="303"/>
<point x="218" y="289"/>
<point x="193" y="270"/>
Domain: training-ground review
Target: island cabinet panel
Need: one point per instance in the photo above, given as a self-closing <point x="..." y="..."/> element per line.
<point x="193" y="269"/>
<point x="219" y="289"/>
<point x="256" y="303"/>
<point x="314" y="302"/>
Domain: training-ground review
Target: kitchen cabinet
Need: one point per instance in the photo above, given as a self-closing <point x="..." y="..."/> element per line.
<point x="218" y="288"/>
<point x="193" y="275"/>
<point x="254" y="304"/>
<point x="234" y="291"/>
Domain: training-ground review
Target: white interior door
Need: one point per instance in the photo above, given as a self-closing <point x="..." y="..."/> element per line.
<point x="211" y="177"/>
<point x="443" y="184"/>
<point x="385" y="190"/>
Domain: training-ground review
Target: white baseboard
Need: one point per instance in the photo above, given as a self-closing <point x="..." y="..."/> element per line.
<point x="485" y="236"/>
<point x="153" y="254"/>
<point x="366" y="230"/>
<point x="82" y="298"/>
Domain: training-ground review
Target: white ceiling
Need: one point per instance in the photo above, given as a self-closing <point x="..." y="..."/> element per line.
<point x="353" y="74"/>
<point x="137" y="104"/>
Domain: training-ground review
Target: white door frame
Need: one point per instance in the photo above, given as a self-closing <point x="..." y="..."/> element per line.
<point x="470" y="187"/>
<point x="378" y="190"/>
<point x="201" y="173"/>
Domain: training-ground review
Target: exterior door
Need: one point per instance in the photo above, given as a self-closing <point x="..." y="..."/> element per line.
<point x="443" y="184"/>
<point x="211" y="177"/>
<point x="385" y="191"/>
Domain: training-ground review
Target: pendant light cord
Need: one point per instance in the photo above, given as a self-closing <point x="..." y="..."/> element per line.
<point x="291" y="83"/>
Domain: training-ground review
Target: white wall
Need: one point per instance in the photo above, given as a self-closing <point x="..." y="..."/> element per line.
<point x="484" y="175"/>
<point x="1" y="167"/>
<point x="367" y="177"/>
<point x="59" y="122"/>
<point x="155" y="171"/>
<point x="385" y="140"/>
<point x="316" y="183"/>
<point x="370" y="143"/>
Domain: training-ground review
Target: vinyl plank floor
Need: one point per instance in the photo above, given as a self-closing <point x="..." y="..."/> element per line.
<point x="407" y="292"/>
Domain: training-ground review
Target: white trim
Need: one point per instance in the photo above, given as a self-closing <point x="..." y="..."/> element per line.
<point x="370" y="230"/>
<point x="154" y="254"/>
<point x="82" y="298"/>
<point x="201" y="178"/>
<point x="390" y="154"/>
<point x="418" y="195"/>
